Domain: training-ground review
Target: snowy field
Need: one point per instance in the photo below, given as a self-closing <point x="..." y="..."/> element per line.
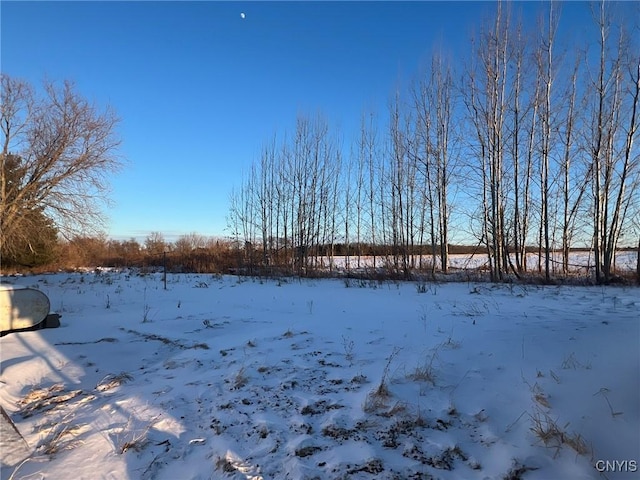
<point x="226" y="377"/>
<point x="580" y="262"/>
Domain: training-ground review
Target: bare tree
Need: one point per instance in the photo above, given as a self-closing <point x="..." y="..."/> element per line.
<point x="360" y="193"/>
<point x="189" y="242"/>
<point x="545" y="71"/>
<point x="242" y="220"/>
<point x="523" y="117"/>
<point x="348" y="209"/>
<point x="333" y="203"/>
<point x="487" y="101"/>
<point x="402" y="184"/>
<point x="266" y="198"/>
<point x="371" y="154"/>
<point x="441" y="108"/>
<point x="65" y="149"/>
<point x="613" y="110"/>
<point x="293" y="191"/>
<point x="155" y="244"/>
<point x="424" y="152"/>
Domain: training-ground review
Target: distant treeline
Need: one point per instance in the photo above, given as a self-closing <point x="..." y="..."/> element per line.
<point x="190" y="253"/>
<point x="195" y="253"/>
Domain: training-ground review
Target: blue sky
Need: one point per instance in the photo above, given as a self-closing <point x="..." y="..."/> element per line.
<point x="199" y="89"/>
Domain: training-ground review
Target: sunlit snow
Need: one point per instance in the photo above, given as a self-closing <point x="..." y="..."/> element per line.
<point x="228" y="377"/>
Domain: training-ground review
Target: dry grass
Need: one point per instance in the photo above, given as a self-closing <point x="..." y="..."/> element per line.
<point x="111" y="381"/>
<point x="288" y="334"/>
<point x="38" y="394"/>
<point x="572" y="363"/>
<point x="377" y="399"/>
<point x="44" y="399"/>
<point x="517" y="471"/>
<point x="359" y="379"/>
<point x="398" y="408"/>
<point x="553" y="436"/>
<point x="374" y="402"/>
<point x="133" y="439"/>
<point x="424" y="372"/>
<point x="538" y="394"/>
<point x="547" y="429"/>
<point x="542" y="399"/>
<point x="136" y="444"/>
<point x="348" y="346"/>
<point x="62" y="437"/>
<point x="240" y="379"/>
<point x="603" y="391"/>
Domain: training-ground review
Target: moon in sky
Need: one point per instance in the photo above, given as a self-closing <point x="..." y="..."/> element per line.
<point x="242" y="15"/>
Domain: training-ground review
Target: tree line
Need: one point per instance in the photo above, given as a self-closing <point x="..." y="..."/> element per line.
<point x="530" y="145"/>
<point x="188" y="253"/>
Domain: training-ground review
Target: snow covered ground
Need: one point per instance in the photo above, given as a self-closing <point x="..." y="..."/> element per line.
<point x="580" y="262"/>
<point x="226" y="377"/>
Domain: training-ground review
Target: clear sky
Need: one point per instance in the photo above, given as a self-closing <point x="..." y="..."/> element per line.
<point x="200" y="89"/>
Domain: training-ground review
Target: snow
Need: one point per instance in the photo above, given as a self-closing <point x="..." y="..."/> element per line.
<point x="230" y="377"/>
<point x="580" y="262"/>
<point x="10" y="288"/>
